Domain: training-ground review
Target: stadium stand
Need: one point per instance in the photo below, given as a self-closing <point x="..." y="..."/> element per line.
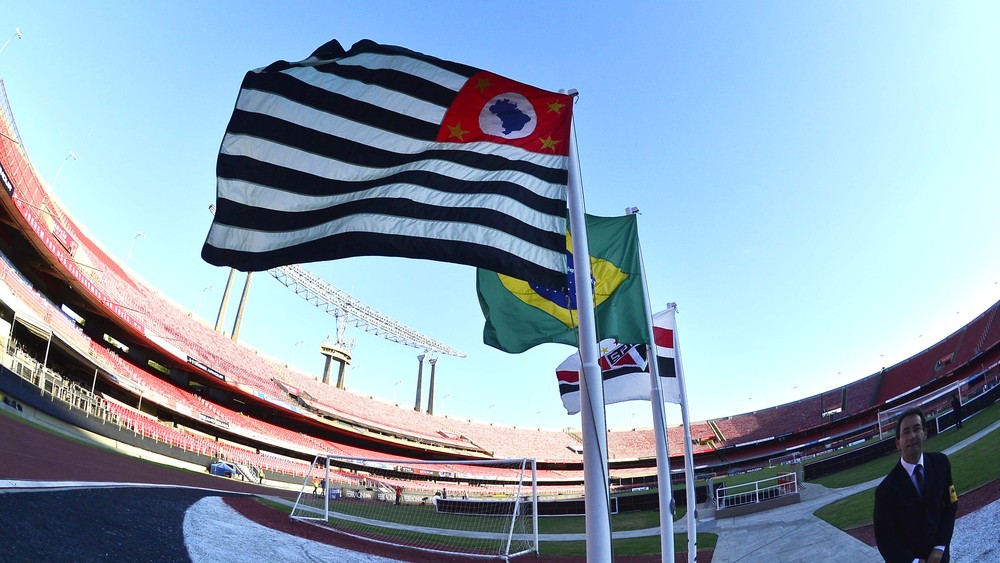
<point x="296" y="416"/>
<point x="635" y="444"/>
<point x="912" y="373"/>
<point x="860" y="396"/>
<point x="832" y="402"/>
<point x="990" y="334"/>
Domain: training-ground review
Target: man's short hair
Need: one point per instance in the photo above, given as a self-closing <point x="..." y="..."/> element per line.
<point x="909" y="412"/>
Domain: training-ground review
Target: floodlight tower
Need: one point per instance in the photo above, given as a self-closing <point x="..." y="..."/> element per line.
<point x="420" y="380"/>
<point x="17" y="33"/>
<point x="346" y="309"/>
<point x="335" y="353"/>
<point x="225" y="298"/>
<point x="340" y="352"/>
<point x="71" y="155"/>
<point x="430" y="393"/>
<point x="338" y="303"/>
<point x="138" y="236"/>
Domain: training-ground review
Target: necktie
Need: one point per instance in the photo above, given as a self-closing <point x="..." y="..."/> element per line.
<point x="918" y="475"/>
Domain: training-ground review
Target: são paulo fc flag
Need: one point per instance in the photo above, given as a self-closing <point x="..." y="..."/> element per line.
<point x="623" y="367"/>
<point x="664" y="327"/>
<point x="625" y="370"/>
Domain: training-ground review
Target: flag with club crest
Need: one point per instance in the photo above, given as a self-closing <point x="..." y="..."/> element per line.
<point x="624" y="369"/>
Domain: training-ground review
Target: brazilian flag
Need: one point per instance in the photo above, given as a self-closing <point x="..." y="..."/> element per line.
<point x="520" y="315"/>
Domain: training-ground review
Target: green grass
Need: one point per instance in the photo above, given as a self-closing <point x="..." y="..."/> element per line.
<point x="976" y="464"/>
<point x="649" y="545"/>
<point x="426" y="516"/>
<point x="280" y="507"/>
<point x="413" y="515"/>
<point x="619" y="522"/>
<point x="971" y="467"/>
<point x="862" y="473"/>
<point x="838" y="451"/>
<point x="423" y="516"/>
<point x="850" y="512"/>
<point x="880" y="467"/>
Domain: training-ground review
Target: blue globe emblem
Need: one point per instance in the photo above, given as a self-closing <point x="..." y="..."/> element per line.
<point x="509" y="116"/>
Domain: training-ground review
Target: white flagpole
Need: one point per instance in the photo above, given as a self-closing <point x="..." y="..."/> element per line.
<point x="659" y="431"/>
<point x="594" y="428"/>
<point x="692" y="511"/>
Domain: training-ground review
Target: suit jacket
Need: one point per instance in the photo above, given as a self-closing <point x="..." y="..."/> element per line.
<point x="908" y="527"/>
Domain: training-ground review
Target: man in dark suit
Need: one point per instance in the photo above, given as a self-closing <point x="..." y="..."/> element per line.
<point x="956" y="407"/>
<point x="915" y="504"/>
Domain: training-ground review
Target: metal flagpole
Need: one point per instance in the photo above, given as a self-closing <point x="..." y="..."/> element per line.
<point x="692" y="511"/>
<point x="594" y="429"/>
<point x="659" y="429"/>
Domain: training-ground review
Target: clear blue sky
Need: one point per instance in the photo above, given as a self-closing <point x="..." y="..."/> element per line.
<point x="819" y="183"/>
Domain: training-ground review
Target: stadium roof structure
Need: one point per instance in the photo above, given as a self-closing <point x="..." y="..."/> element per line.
<point x="341" y="305"/>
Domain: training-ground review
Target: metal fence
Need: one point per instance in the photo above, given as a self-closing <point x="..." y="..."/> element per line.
<point x="758" y="491"/>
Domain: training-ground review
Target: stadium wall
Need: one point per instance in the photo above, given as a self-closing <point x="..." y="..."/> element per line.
<point x="12" y="385"/>
<point x="30" y="402"/>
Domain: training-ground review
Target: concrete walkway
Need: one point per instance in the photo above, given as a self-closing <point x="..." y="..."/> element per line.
<point x="792" y="533"/>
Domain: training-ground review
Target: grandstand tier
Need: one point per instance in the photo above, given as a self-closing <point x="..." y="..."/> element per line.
<point x="152" y="367"/>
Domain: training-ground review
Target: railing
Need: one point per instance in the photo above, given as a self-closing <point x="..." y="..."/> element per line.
<point x="51" y="383"/>
<point x="756" y="492"/>
<point x="249" y="472"/>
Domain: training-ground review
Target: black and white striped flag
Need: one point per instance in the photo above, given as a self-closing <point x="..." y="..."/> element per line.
<point x="380" y="150"/>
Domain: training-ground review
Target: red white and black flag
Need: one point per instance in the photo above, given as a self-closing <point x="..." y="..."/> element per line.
<point x="380" y="150"/>
<point x="664" y="327"/>
<point x="624" y="370"/>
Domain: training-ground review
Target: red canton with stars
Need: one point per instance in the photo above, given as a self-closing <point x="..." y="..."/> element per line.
<point x="495" y="109"/>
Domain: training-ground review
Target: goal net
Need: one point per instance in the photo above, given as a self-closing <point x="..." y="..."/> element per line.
<point x="478" y="508"/>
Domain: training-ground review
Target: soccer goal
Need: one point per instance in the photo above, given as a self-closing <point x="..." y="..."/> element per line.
<point x="478" y="508"/>
<point x="787" y="459"/>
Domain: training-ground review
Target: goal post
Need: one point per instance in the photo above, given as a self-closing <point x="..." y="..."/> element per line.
<point x="477" y="508"/>
<point x="314" y="505"/>
<point x="787" y="459"/>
